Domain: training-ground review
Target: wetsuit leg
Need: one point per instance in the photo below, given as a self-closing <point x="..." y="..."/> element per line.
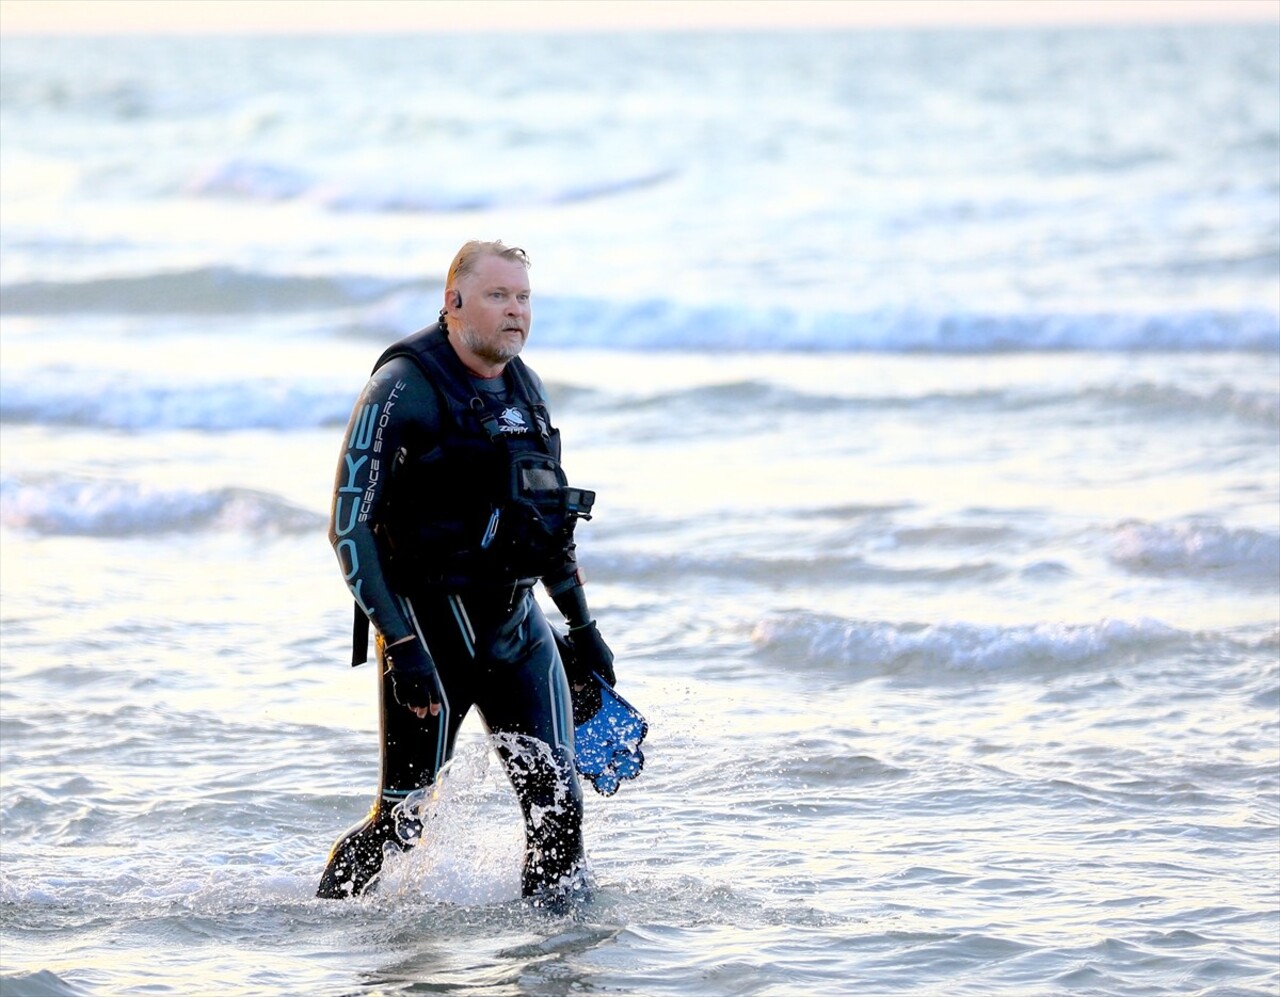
<point x="413" y="752"/>
<point x="526" y="706"/>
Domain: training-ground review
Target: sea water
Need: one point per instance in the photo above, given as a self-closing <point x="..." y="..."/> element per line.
<point x="929" y="383"/>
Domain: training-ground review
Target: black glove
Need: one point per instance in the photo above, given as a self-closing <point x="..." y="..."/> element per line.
<point x="590" y="654"/>
<point x="414" y="680"/>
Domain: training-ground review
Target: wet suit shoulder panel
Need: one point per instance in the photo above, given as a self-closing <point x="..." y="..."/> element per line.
<point x="397" y="408"/>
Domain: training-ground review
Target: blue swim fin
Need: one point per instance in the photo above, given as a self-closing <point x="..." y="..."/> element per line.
<point x="606" y="737"/>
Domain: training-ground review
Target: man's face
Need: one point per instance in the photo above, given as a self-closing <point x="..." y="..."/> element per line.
<point x="495" y="314"/>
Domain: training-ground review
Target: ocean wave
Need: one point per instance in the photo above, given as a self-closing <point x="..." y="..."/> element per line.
<point x="388" y="309"/>
<point x="747" y="396"/>
<point x="782" y="572"/>
<point x="563" y="322"/>
<point x="667" y="325"/>
<point x="865" y="649"/>
<point x="199" y="290"/>
<point x="745" y="401"/>
<point x="79" y="397"/>
<point x="1250" y="406"/>
<point x="99" y="508"/>
<point x="415" y="192"/>
<point x="72" y="397"/>
<point x="1202" y="550"/>
<point x="42" y="983"/>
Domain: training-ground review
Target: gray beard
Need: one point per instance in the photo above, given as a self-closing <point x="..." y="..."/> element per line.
<point x="490" y="354"/>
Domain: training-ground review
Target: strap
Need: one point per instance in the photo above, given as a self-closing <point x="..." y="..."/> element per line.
<point x="359" y="637"/>
<point x="524" y="386"/>
<point x="488" y="421"/>
<point x="429" y="348"/>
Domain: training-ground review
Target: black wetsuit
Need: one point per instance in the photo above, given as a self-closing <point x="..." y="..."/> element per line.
<point x="491" y="643"/>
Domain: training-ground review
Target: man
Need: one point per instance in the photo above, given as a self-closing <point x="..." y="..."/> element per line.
<point x="449" y="506"/>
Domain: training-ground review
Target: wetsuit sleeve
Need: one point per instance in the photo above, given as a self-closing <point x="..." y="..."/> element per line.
<point x="565" y="588"/>
<point x="587" y="650"/>
<point x="397" y="408"/>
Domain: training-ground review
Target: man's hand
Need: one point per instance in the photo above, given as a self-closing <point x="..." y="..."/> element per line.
<point x="590" y="654"/>
<point x="414" y="680"/>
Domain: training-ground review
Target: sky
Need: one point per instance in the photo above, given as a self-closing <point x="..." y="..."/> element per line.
<point x="322" y="16"/>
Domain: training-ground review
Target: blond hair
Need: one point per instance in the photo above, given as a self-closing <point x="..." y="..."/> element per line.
<point x="464" y="262"/>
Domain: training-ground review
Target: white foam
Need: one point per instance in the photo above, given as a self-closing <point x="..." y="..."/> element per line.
<point x="1198" y="549"/>
<point x="666" y="324"/>
<point x="118" y="401"/>
<point x="871" y="647"/>
<point x="126" y="508"/>
<point x="468" y="854"/>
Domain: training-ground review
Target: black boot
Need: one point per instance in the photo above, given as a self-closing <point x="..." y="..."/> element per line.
<point x="356" y="859"/>
<point x="554" y="876"/>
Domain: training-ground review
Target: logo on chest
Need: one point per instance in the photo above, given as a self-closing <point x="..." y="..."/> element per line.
<point x="512" y="421"/>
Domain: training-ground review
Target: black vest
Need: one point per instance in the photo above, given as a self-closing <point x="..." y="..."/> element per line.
<point x="477" y="503"/>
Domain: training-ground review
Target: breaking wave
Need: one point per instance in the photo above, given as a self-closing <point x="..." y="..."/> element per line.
<point x="869" y="648"/>
<point x="113" y="401"/>
<point x="61" y="507"/>
<point x="384" y="309"/>
<point x="198" y="290"/>
<point x="1202" y="550"/>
